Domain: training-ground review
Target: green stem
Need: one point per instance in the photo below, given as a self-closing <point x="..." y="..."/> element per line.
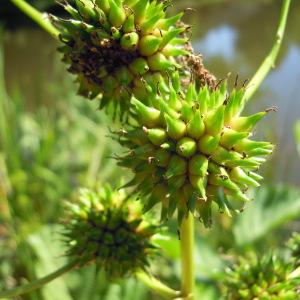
<point x="157" y="286"/>
<point x="38" y="283"/>
<point x="187" y="257"/>
<point x="36" y="16"/>
<point x="269" y="61"/>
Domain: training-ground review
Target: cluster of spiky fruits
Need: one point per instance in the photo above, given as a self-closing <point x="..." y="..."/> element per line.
<point x="261" y="278"/>
<point x="114" y="45"/>
<point x="190" y="149"/>
<point x="104" y="228"/>
<point x="188" y="146"/>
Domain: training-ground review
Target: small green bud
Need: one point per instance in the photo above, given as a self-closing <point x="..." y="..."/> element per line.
<point x="117" y="15"/>
<point x="86" y="8"/>
<point x="129" y="25"/>
<point x="169" y="145"/>
<point x="187" y="112"/>
<point x="223" y="180"/>
<point x="198" y="165"/>
<point x="129" y="41"/>
<point x="166" y="23"/>
<point x="169" y="35"/>
<point x="246" y="145"/>
<point x="238" y="175"/>
<point x="186" y="147"/>
<point x="149" y="44"/>
<point x="176" y="182"/>
<point x="103" y="4"/>
<point x="177" y="166"/>
<point x="222" y="155"/>
<point x="214" y="121"/>
<point x="175" y="128"/>
<point x="124" y="76"/>
<point x="199" y="183"/>
<point x="247" y="123"/>
<point x="140" y="9"/>
<point x="149" y="24"/>
<point x="158" y="62"/>
<point x="230" y="137"/>
<point x="196" y="127"/>
<point x="162" y="157"/>
<point x="115" y="32"/>
<point x="139" y="66"/>
<point x="174" y="51"/>
<point x="208" y="143"/>
<point x="157" y="136"/>
<point x="149" y="115"/>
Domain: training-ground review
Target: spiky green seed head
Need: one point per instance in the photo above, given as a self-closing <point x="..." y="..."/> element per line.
<point x="111" y="45"/>
<point x="294" y="247"/>
<point x="196" y="147"/>
<point x="103" y="227"/>
<point x="262" y="278"/>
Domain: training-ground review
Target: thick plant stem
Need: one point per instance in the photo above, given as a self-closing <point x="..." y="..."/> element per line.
<point x="269" y="61"/>
<point x="187" y="237"/>
<point x="157" y="286"/>
<point x="38" y="283"/>
<point x="36" y="16"/>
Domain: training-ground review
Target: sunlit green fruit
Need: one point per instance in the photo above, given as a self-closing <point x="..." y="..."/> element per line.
<point x="186" y="147"/>
<point x="102" y="37"/>
<point x="193" y="151"/>
<point x="265" y="277"/>
<point x="129" y="41"/>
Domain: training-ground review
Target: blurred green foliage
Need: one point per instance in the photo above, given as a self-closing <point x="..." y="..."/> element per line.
<point x="46" y="153"/>
<point x="297" y="135"/>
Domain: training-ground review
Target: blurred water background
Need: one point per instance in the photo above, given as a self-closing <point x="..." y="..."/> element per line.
<point x="232" y="36"/>
<point x="52" y="141"/>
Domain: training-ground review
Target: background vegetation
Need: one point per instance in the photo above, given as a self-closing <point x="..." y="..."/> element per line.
<point x="52" y="142"/>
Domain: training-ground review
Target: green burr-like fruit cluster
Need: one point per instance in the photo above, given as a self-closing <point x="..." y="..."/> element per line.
<point x="294" y="246"/>
<point x="113" y="46"/>
<point x="190" y="149"/>
<point x="266" y="278"/>
<point x="104" y="228"/>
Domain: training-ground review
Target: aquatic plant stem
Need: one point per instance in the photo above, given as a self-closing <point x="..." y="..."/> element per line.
<point x="269" y="61"/>
<point x="187" y="237"/>
<point x="38" y="283"/>
<point x="37" y="17"/>
<point x="156" y="285"/>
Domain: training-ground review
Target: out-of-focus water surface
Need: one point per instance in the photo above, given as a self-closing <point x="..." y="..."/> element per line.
<point x="232" y="36"/>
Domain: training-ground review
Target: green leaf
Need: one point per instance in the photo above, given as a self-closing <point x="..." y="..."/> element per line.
<point x="208" y="261"/>
<point x="272" y="207"/>
<point x="48" y="253"/>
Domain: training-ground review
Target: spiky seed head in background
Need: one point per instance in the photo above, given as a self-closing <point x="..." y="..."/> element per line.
<point x="294" y="247"/>
<point x="188" y="150"/>
<point x="104" y="228"/>
<point x="112" y="45"/>
<point x="266" y="277"/>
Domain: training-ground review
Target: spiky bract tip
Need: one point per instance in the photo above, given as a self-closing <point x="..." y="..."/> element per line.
<point x="103" y="227"/>
<point x="113" y="45"/>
